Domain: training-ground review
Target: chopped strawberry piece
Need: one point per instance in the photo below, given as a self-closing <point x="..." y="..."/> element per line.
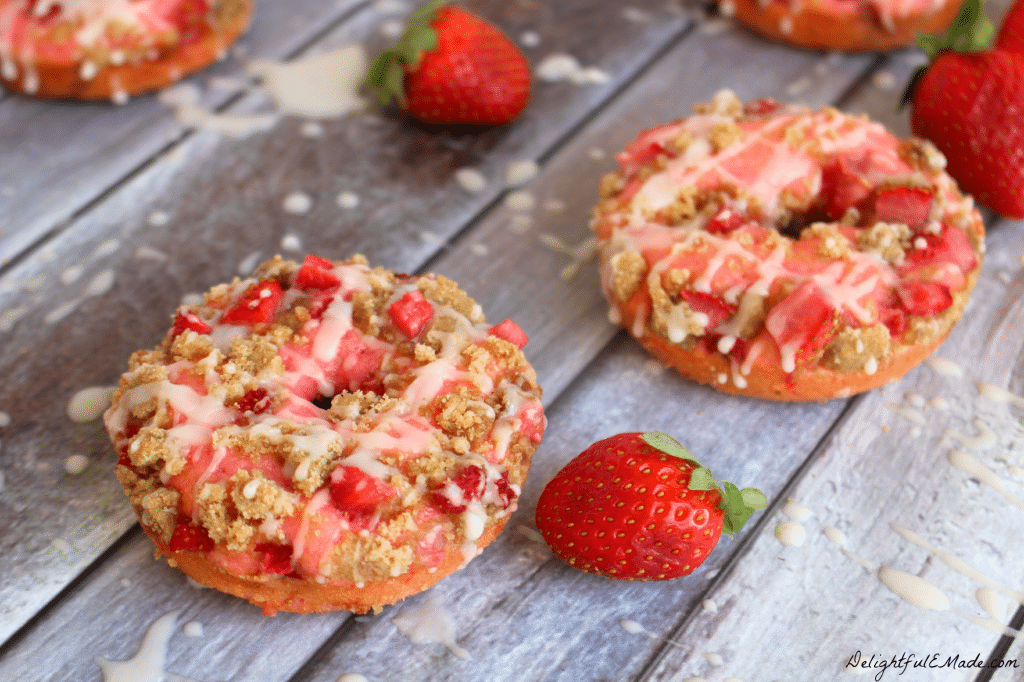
<point x="907" y="205"/>
<point x="505" y="491"/>
<point x="949" y="246"/>
<point x="757" y="107"/>
<point x="469" y="483"/>
<point x="725" y="221"/>
<point x="924" y="298"/>
<point x="190" y="537"/>
<point x="256" y="401"/>
<point x="357" y="494"/>
<point x="895" y="321"/>
<point x="802" y="324"/>
<point x="316" y="273"/>
<point x="716" y="309"/>
<point x="410" y="313"/>
<point x="277" y="559"/>
<point x="52" y="12"/>
<point x="643" y="150"/>
<point x="533" y="423"/>
<point x="511" y="332"/>
<point x="842" y="186"/>
<point x="257" y="305"/>
<point x="186" y="319"/>
<point x="191" y="18"/>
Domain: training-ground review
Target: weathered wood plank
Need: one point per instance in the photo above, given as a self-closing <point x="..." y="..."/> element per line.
<point x="78" y="150"/>
<point x="883" y="467"/>
<point x="224" y="198"/>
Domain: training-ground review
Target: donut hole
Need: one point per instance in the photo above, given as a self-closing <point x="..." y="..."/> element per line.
<point x="323" y="401"/>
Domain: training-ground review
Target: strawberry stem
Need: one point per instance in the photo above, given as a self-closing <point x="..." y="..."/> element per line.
<point x="737" y="505"/>
<point x="386" y="72"/>
<point x="971" y="31"/>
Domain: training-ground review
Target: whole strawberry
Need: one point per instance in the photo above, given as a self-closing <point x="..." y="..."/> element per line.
<point x="639" y="506"/>
<point x="452" y="67"/>
<point x="970" y="104"/>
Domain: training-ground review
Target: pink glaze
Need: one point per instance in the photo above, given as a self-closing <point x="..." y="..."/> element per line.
<point x="333" y="357"/>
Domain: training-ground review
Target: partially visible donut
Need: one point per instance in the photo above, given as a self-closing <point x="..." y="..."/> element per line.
<point x="328" y="436"/>
<point x="102" y="49"/>
<point x="784" y="253"/>
<point x="852" y="25"/>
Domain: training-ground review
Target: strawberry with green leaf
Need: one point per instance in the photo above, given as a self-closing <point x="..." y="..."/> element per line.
<point x="970" y="103"/>
<point x="639" y="506"/>
<point x="452" y="67"/>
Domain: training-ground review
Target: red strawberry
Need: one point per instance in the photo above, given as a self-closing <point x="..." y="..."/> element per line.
<point x="192" y="19"/>
<point x="924" y="298"/>
<point x="725" y="221"/>
<point x="465" y="486"/>
<point x="257" y="305"/>
<point x="761" y="106"/>
<point x="716" y="309"/>
<point x="451" y="66"/>
<point x="358" y="494"/>
<point x="186" y="319"/>
<point x="188" y="536"/>
<point x="639" y="506"/>
<point x="843" y="186"/>
<point x="410" y="313"/>
<point x="255" y="401"/>
<point x="949" y="246"/>
<point x="277" y="559"/>
<point x="907" y="205"/>
<point x="316" y="273"/>
<point x="1011" y="35"/>
<point x="969" y="104"/>
<point x="511" y="332"/>
<point x="803" y="323"/>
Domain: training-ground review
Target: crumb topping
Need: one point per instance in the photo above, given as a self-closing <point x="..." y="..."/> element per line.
<point x="754" y="217"/>
<point x="326" y="395"/>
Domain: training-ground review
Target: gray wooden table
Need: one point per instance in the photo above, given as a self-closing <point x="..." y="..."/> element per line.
<point x="110" y="215"/>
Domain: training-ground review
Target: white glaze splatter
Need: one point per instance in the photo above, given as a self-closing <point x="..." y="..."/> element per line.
<point x="89" y="403"/>
<point x="318" y="86"/>
<point x="520" y="172"/>
<point x="945" y="367"/>
<point x="348" y="200"/>
<point x="791" y="533"/>
<point x="192" y="628"/>
<point x="76" y="465"/>
<point x="148" y="663"/>
<point x="471" y="180"/>
<point x="297" y="203"/>
<point x="427" y="622"/>
<point x="913" y="589"/>
<point x="709" y="605"/>
<point x="521" y="201"/>
<point x="971" y="466"/>
<point x="796" y="511"/>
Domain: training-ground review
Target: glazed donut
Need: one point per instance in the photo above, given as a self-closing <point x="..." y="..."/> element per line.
<point x="857" y="25"/>
<point x="784" y="253"/>
<point x="111" y="49"/>
<point x="328" y="436"/>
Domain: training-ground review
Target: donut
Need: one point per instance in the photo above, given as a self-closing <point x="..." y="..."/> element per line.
<point x="328" y="436"/>
<point x="857" y="25"/>
<point x="111" y="49"/>
<point x="785" y="253"/>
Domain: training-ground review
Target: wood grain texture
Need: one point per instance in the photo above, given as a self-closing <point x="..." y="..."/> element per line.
<point x="520" y="612"/>
<point x="78" y="150"/>
<point x="226" y="197"/>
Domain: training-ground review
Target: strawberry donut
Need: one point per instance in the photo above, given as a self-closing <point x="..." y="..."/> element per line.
<point x="784" y="253"/>
<point x="110" y="49"/>
<point x="330" y="436"/>
<point x="854" y="25"/>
